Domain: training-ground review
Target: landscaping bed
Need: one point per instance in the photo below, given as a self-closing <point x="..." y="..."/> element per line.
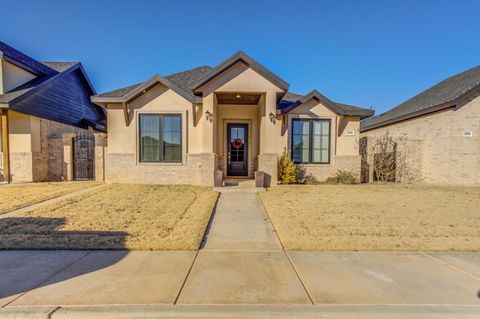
<point x="116" y="216"/>
<point x="375" y="217"/>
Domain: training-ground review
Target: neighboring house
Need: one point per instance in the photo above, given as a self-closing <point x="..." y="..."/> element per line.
<point x="43" y="107"/>
<point x="440" y="130"/>
<point x="230" y="121"/>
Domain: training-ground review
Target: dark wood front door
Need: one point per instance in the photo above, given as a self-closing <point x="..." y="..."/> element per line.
<point x="237" y="144"/>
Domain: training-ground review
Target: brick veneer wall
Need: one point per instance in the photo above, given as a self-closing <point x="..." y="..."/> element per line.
<point x="323" y="171"/>
<point x="197" y="169"/>
<point x="437" y="151"/>
<point x="53" y="161"/>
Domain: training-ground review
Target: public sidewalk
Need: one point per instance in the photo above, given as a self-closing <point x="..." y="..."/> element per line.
<point x="240" y="272"/>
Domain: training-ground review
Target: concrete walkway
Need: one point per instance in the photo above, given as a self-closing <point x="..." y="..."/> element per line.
<point x="241" y="272"/>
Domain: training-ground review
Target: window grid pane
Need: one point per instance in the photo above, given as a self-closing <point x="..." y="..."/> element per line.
<point x="160" y="138"/>
<point x="310" y="141"/>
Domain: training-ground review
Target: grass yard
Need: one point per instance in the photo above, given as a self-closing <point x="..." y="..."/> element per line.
<point x="17" y="196"/>
<point x="116" y="216"/>
<point x="375" y="217"/>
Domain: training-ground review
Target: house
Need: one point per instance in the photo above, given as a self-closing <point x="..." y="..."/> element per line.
<point x="43" y="106"/>
<point x="231" y="121"/>
<point x="439" y="130"/>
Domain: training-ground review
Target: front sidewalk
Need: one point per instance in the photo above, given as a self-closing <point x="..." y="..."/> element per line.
<point x="241" y="272"/>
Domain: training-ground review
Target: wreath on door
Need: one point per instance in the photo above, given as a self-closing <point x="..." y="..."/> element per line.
<point x="237" y="143"/>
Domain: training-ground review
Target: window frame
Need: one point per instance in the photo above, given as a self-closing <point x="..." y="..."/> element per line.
<point x="310" y="140"/>
<point x="160" y="127"/>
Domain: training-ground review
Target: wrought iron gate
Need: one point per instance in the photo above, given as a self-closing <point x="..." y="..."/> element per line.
<point x="83" y="156"/>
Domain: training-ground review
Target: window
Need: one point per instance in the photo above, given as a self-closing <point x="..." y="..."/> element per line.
<point x="311" y="141"/>
<point x="160" y="138"/>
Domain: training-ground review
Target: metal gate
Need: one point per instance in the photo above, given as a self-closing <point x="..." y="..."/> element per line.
<point x="83" y="156"/>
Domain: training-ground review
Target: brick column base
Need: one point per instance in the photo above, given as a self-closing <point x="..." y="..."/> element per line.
<point x="267" y="163"/>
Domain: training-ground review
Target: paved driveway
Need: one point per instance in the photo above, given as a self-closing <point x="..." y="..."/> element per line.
<point x="242" y="263"/>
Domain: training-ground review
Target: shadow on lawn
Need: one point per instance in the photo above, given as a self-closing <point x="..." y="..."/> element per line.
<point x="34" y="250"/>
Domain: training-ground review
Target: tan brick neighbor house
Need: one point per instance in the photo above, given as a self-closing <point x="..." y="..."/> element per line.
<point x="439" y="129"/>
<point x="231" y="121"/>
<point x="44" y="109"/>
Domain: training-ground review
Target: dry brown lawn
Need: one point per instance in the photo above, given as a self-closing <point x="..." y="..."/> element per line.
<point x="17" y="196"/>
<point x="375" y="217"/>
<point x="116" y="216"/>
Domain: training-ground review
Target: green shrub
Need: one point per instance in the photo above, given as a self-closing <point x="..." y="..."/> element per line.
<point x="287" y="170"/>
<point x="343" y="177"/>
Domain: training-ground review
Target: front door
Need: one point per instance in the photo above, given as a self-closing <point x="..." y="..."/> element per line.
<point x="237" y="141"/>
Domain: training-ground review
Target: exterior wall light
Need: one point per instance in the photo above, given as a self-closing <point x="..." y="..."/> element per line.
<point x="209" y="115"/>
<point x="272" y="117"/>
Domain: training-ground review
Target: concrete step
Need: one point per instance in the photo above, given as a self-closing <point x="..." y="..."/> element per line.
<point x="233" y="185"/>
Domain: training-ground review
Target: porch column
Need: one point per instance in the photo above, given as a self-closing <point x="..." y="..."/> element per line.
<point x="68" y="156"/>
<point x="100" y="150"/>
<point x="208" y="123"/>
<point x="5" y="145"/>
<point x="268" y="157"/>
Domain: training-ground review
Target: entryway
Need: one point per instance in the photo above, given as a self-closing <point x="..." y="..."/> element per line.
<point x="237" y="149"/>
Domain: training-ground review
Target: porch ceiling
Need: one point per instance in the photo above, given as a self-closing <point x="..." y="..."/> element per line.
<point x="238" y="98"/>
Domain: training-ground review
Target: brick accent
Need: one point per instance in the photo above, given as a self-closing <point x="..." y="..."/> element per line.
<point x="197" y="169"/>
<point x="323" y="171"/>
<point x="268" y="164"/>
<point x="21" y="166"/>
<point x="54" y="160"/>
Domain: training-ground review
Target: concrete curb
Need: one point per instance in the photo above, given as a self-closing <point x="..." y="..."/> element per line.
<point x="27" y="312"/>
<point x="244" y="312"/>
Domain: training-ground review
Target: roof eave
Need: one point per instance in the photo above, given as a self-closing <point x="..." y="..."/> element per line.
<point x="409" y="116"/>
<point x="141" y="88"/>
<point x="35" y="89"/>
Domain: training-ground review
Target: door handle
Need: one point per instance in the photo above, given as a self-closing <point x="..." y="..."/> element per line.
<point x="228" y="158"/>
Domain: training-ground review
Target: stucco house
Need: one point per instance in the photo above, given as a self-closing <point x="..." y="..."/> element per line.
<point x="439" y="129"/>
<point x="43" y="107"/>
<point x="230" y="121"/>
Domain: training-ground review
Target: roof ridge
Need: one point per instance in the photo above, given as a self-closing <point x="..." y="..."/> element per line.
<point x="442" y="94"/>
<point x="189" y="70"/>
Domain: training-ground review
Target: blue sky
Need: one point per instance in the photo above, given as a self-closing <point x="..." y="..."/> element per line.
<point x="367" y="53"/>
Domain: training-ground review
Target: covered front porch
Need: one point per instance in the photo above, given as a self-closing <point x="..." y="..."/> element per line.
<point x="240" y="124"/>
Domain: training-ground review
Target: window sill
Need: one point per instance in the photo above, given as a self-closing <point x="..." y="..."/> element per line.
<point x="160" y="164"/>
<point x="314" y="164"/>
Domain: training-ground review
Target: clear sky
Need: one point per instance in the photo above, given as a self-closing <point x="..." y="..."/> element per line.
<point x="367" y="53"/>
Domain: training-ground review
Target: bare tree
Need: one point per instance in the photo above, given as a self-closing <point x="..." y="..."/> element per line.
<point x="385" y="156"/>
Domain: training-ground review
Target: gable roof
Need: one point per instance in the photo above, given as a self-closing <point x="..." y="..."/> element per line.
<point x="292" y="100"/>
<point x="186" y="81"/>
<point x="446" y="94"/>
<point x="23" y="61"/>
<point x="60" y="92"/>
<point x="250" y="62"/>
<point x="180" y="82"/>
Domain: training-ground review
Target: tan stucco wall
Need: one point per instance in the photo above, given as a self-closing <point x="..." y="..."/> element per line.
<point x="12" y="76"/>
<point x="344" y="151"/>
<point x="438" y="151"/>
<point x="205" y="138"/>
<point x="122" y="159"/>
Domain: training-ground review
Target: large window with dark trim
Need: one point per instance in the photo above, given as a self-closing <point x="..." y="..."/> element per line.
<point x="311" y="141"/>
<point x="160" y="138"/>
